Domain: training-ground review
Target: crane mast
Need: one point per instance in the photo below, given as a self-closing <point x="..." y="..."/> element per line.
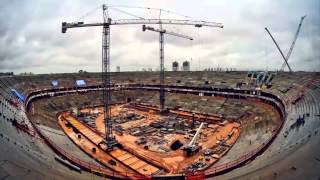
<point x="162" y="93"/>
<point x="162" y="72"/>
<point x="106" y="79"/>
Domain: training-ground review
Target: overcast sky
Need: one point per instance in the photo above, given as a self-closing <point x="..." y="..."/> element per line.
<point x="31" y="38"/>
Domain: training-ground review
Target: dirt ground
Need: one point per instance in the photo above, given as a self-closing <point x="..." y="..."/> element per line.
<point x="174" y="160"/>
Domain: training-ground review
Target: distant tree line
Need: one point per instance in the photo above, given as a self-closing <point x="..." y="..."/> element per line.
<point x="6" y="73"/>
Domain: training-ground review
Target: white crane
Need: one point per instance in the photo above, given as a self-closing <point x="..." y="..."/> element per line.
<point x="195" y="137"/>
<point x="293" y="43"/>
<point x="192" y="148"/>
<point x="286" y="59"/>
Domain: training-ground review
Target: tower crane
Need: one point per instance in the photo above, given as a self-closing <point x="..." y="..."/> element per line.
<point x="106" y="81"/>
<point x="161" y="41"/>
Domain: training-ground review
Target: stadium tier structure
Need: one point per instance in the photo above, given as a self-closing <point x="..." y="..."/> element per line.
<point x="216" y="125"/>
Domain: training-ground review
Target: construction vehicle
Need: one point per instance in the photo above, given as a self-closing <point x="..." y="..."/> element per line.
<point x="286" y="59"/>
<point x="293" y="43"/>
<point x="193" y="148"/>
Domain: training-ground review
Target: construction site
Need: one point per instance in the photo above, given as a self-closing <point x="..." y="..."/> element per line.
<point x="179" y="124"/>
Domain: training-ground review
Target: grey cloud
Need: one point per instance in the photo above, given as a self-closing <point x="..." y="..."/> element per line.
<point x="31" y="39"/>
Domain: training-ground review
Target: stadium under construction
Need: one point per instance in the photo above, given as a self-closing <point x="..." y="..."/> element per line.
<point x="162" y="124"/>
<point x="241" y="131"/>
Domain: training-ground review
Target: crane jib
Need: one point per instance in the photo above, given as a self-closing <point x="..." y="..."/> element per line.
<point x="66" y="25"/>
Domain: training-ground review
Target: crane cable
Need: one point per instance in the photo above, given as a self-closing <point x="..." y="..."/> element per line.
<point x="151" y="8"/>
<point x="81" y="18"/>
<point x="127" y="13"/>
<point x="116" y="8"/>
